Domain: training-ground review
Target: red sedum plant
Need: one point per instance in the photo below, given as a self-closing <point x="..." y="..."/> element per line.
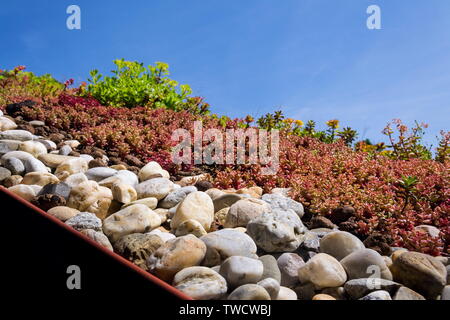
<point x="390" y="195"/>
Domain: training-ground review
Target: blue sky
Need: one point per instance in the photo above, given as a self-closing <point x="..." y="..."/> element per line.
<point x="314" y="59"/>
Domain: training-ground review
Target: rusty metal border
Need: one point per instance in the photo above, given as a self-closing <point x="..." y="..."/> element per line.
<point x="119" y="259"/>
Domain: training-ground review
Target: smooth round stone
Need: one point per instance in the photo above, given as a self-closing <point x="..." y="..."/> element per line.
<point x="133" y="219"/>
<point x="123" y="193"/>
<point x="72" y="166"/>
<point x="272" y="287"/>
<point x="196" y="206"/>
<point x="245" y="210"/>
<point x="39" y="178"/>
<point x="12" y="181"/>
<point x="214" y="193"/>
<point x="75" y="179"/>
<point x="35" y="148"/>
<point x="24" y="191"/>
<point x="59" y="189"/>
<point x="190" y="227"/>
<point x="226" y="243"/>
<point x="289" y="264"/>
<point x="421" y="273"/>
<point x="15" y="166"/>
<point x="176" y="255"/>
<point x="280" y="202"/>
<point x="377" y="295"/>
<point x="340" y="244"/>
<point x="65" y="150"/>
<point x="90" y="197"/>
<point x="239" y="270"/>
<point x="277" y="231"/>
<point x="397" y="253"/>
<point x="149" y="202"/>
<point x="7" y="124"/>
<point x="175" y="197"/>
<point x="4" y="173"/>
<point x="50" y="145"/>
<point x="365" y="263"/>
<point x="358" y="288"/>
<point x="200" y="283"/>
<point x="21" y="155"/>
<point x="152" y="170"/>
<point x="19" y="135"/>
<point x="72" y="143"/>
<point x="36" y="188"/>
<point x="404" y="293"/>
<point x="165" y="236"/>
<point x="122" y="176"/>
<point x="34" y="165"/>
<point x="286" y="294"/>
<point x="157" y="188"/>
<point x="89" y="158"/>
<point x="226" y="200"/>
<point x="323" y="271"/>
<point x="5" y="148"/>
<point x="54" y="160"/>
<point x="249" y="292"/>
<point x="271" y="269"/>
<point x="323" y="296"/>
<point x="98" y="237"/>
<point x="99" y="173"/>
<point x="85" y="220"/>
<point x="36" y="123"/>
<point x="63" y="213"/>
<point x="137" y="247"/>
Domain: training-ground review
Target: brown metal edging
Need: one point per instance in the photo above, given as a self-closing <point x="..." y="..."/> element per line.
<point x="112" y="254"/>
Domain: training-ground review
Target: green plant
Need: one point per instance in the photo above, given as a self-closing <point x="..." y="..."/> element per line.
<point x="134" y="85"/>
<point x="19" y="83"/>
<point x="406" y="144"/>
<point x="407" y="190"/>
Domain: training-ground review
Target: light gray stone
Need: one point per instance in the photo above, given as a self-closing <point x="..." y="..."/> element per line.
<point x="340" y="244"/>
<point x="200" y="283"/>
<point x="358" y="288"/>
<point x="14" y="165"/>
<point x="323" y="271"/>
<point x="19" y="135"/>
<point x="226" y="243"/>
<point x="377" y="295"/>
<point x="176" y="196"/>
<point x="277" y="231"/>
<point x="238" y="270"/>
<point x="100" y="173"/>
<point x="363" y="263"/>
<point x="280" y="202"/>
<point x="272" y="287"/>
<point x="249" y="292"/>
<point x="289" y="264"/>
<point x="85" y="220"/>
